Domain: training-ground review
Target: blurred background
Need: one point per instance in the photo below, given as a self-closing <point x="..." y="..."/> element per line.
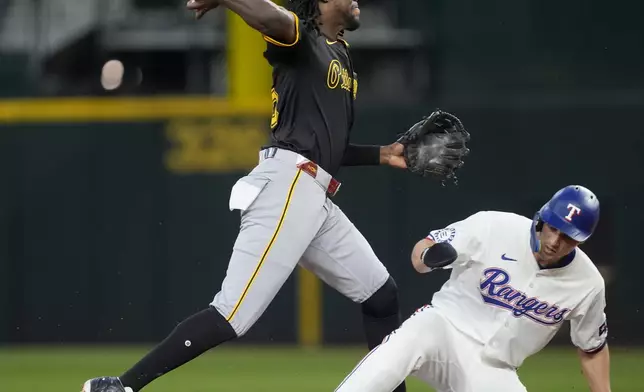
<point x="124" y="124"/>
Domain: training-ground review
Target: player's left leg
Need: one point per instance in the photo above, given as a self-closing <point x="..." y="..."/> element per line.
<point x="487" y="377"/>
<point x="460" y="365"/>
<point x="342" y="258"/>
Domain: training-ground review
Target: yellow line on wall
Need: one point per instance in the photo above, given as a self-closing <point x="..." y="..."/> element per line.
<point x="93" y="109"/>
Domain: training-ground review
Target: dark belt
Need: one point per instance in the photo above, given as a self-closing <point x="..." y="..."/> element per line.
<point x="307" y="166"/>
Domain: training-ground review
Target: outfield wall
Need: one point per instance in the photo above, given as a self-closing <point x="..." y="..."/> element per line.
<point x="114" y="220"/>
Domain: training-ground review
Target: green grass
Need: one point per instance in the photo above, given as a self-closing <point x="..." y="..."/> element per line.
<point x="242" y="368"/>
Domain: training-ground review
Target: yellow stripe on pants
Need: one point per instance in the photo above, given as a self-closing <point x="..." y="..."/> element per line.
<point x="268" y="247"/>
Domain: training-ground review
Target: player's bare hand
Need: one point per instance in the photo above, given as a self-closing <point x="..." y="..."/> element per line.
<point x="201" y="7"/>
<point x="392" y="155"/>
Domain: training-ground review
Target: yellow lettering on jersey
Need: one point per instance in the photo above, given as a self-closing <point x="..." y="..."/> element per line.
<point x="355" y="88"/>
<point x="333" y="77"/>
<point x="339" y="76"/>
<point x="275" y="114"/>
<point x="346" y="80"/>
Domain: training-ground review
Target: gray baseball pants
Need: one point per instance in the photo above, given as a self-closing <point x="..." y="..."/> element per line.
<point x="288" y="219"/>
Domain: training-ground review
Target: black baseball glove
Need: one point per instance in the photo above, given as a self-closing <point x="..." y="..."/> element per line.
<point x="435" y="146"/>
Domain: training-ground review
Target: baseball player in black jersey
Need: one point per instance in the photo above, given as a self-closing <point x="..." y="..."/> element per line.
<point x="288" y="217"/>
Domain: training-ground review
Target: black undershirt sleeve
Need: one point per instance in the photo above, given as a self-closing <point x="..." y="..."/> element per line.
<point x="361" y="155"/>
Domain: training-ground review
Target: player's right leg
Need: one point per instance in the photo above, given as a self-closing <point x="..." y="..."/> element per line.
<point x="385" y="367"/>
<point x="281" y="213"/>
<point x="417" y="344"/>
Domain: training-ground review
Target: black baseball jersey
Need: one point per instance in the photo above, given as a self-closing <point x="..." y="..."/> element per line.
<point x="313" y="91"/>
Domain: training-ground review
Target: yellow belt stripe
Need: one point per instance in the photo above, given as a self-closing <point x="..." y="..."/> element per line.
<point x="268" y="247"/>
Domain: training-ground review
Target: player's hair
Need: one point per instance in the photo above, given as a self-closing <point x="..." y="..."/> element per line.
<point x="307" y="10"/>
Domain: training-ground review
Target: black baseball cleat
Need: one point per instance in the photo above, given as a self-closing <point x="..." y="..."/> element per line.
<point x="104" y="384"/>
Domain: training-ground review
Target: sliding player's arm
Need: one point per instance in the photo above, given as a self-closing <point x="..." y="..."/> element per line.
<point x="454" y="245"/>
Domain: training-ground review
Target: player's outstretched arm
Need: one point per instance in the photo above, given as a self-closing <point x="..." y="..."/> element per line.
<point x="371" y="155"/>
<point x="262" y="15"/>
<point x="596" y="369"/>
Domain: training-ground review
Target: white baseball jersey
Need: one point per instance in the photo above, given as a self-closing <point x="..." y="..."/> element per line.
<point x="498" y="295"/>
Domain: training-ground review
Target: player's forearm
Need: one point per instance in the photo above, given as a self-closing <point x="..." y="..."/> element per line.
<point x="596" y="369"/>
<point x="266" y="17"/>
<point x="417" y="255"/>
<point x="362" y="155"/>
<point x="428" y="255"/>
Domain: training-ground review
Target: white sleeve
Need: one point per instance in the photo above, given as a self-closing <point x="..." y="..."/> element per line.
<point x="466" y="236"/>
<point x="588" y="329"/>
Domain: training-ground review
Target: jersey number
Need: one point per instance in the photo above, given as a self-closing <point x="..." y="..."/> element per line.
<point x="275" y="115"/>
